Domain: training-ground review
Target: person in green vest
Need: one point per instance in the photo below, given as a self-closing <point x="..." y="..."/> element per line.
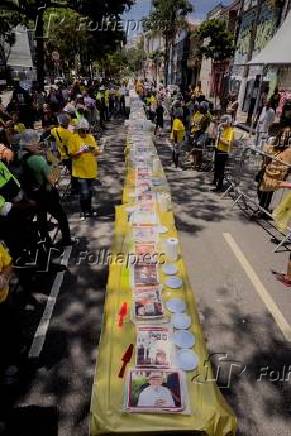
<point x="16" y="213"/>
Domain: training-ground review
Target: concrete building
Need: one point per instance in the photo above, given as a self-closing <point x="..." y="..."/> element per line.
<point x="154" y="48"/>
<point x="259" y="20"/>
<point x="178" y="60"/>
<point x="214" y="76"/>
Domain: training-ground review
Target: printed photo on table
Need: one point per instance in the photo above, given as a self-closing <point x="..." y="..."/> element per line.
<point x="154" y="347"/>
<point x="155" y="391"/>
<point x="145" y="275"/>
<point x="148" y="303"/>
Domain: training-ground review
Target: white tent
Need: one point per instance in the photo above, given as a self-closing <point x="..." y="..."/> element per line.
<point x="278" y="49"/>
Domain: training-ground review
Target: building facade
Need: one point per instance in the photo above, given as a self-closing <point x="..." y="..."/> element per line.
<point x="154" y="48"/>
<point x="259" y="20"/>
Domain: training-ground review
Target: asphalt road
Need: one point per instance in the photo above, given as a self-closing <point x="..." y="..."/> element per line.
<point x="49" y="394"/>
<point x="251" y="357"/>
<point x="229" y="259"/>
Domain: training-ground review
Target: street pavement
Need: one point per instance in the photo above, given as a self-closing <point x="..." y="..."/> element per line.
<point x="49" y="395"/>
<point x="248" y="350"/>
<point x="229" y="260"/>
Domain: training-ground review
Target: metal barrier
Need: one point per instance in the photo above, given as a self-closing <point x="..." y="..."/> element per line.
<point x="246" y="176"/>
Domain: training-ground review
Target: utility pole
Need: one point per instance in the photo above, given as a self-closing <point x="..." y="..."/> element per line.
<point x="39" y="36"/>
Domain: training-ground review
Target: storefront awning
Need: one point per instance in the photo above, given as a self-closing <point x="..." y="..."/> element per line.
<point x="278" y="49"/>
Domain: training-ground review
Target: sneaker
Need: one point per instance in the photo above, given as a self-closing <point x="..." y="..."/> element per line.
<point x="82" y="217"/>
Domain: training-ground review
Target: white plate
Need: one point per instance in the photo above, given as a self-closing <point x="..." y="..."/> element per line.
<point x="183" y="339"/>
<point x="162" y="230"/>
<point x="186" y="360"/>
<point x="170" y="269"/>
<point x="174" y="282"/>
<point x="181" y="321"/>
<point x="176" y="305"/>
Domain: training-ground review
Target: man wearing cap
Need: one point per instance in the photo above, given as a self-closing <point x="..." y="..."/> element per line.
<point x="156" y="395"/>
<point x="83" y="149"/>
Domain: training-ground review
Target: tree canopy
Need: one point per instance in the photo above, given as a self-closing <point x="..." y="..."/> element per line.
<point x="8" y="21"/>
<point x="166" y="19"/>
<point x="168" y="16"/>
<point x="77" y="26"/>
<point x="216" y="41"/>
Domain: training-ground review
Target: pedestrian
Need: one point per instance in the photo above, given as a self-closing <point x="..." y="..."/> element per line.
<point x="222" y="150"/>
<point x="49" y="118"/>
<point x="122" y="92"/>
<point x="63" y="137"/>
<point x="266" y="119"/>
<point x="275" y="99"/>
<point x="200" y="136"/>
<point x="105" y="101"/>
<point x="159" y="116"/>
<point x="112" y="102"/>
<point x="39" y="182"/>
<point x="177" y="137"/>
<point x="198" y="90"/>
<point x="83" y="149"/>
<point x="234" y="108"/>
<point x="5" y="272"/>
<point x="23" y="105"/>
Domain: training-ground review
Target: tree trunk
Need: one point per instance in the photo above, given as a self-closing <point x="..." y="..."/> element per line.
<point x="39" y="30"/>
<point x="166" y="66"/>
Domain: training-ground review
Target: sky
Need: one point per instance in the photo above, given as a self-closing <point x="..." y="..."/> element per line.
<point x="142" y="9"/>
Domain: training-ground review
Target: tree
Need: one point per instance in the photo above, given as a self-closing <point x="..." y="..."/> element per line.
<point x="135" y="57"/>
<point x="166" y="19"/>
<point x="156" y="57"/>
<point x="92" y="10"/>
<point x="220" y="45"/>
<point x="215" y="42"/>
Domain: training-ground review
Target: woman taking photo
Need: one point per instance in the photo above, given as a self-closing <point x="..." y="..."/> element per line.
<point x="83" y="150"/>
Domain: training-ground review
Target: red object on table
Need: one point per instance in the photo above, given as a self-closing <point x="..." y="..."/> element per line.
<point x="126" y="359"/>
<point x="123" y="311"/>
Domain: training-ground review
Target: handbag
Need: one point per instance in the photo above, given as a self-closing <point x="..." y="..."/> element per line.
<point x="272" y="177"/>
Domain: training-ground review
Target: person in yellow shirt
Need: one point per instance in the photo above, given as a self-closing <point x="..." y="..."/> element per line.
<point x="83" y="150"/>
<point x="177" y="137"/>
<point x="106" y="100"/>
<point x="222" y="150"/>
<point x="195" y="120"/>
<point x="5" y="272"/>
<point x="63" y="136"/>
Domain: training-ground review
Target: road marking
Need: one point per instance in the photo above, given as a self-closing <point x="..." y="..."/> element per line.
<point x="41" y="332"/>
<point x="260" y="288"/>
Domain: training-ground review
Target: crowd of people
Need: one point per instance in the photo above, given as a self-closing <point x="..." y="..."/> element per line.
<point x="194" y="124"/>
<point x="45" y="132"/>
<point x="42" y="134"/>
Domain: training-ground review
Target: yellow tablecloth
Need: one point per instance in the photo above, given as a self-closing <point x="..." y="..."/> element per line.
<point x="210" y="412"/>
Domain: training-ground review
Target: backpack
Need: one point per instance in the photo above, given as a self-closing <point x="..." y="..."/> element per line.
<point x="27" y="179"/>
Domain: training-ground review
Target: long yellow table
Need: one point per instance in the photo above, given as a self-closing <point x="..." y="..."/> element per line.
<point x="210" y="413"/>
